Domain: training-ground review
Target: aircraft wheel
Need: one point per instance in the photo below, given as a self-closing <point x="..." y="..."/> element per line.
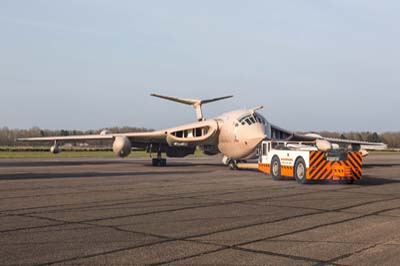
<point x="300" y="171"/>
<point x="159" y="162"/>
<point x="276" y="168"/>
<point x="232" y="165"/>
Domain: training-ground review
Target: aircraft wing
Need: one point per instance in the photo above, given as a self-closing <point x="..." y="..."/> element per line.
<point x="190" y="134"/>
<point x="312" y="137"/>
<point x="354" y="142"/>
<point x="68" y="138"/>
<point x="283" y="134"/>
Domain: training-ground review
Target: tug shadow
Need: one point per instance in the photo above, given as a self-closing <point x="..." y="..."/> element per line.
<point x="383" y="165"/>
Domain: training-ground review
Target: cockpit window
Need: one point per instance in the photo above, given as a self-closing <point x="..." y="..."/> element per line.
<point x="252" y="119"/>
<point x="260" y="119"/>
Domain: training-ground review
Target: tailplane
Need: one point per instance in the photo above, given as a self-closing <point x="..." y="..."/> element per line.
<point x="193" y="102"/>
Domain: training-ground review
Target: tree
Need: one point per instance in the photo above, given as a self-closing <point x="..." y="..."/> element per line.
<point x="374" y="137"/>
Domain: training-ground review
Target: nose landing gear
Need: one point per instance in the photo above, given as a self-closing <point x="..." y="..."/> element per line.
<point x="232" y="164"/>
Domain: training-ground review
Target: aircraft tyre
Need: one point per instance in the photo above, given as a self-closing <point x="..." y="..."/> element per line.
<point x="276" y="168"/>
<point x="233" y="165"/>
<point x="300" y="171"/>
<point x="159" y="162"/>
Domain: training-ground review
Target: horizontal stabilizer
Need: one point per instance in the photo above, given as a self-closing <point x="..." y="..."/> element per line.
<point x="196" y="103"/>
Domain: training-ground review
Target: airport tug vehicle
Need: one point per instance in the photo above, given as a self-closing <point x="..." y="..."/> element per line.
<point x="306" y="162"/>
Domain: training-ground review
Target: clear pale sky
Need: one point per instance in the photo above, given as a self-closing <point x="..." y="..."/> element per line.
<point x="314" y="65"/>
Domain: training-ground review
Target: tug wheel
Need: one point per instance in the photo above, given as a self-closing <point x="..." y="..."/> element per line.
<point x="276" y="168"/>
<point x="300" y="171"/>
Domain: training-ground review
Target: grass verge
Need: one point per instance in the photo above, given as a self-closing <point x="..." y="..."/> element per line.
<point x="73" y="154"/>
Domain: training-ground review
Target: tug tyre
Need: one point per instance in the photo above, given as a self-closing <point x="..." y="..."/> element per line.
<point x="349" y="181"/>
<point x="276" y="168"/>
<point x="300" y="171"/>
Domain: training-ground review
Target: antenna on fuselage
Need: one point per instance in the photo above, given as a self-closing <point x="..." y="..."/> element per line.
<point x="257" y="108"/>
<point x="193" y="102"/>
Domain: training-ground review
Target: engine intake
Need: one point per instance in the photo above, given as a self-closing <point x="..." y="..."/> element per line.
<point x="122" y="147"/>
<point x="55" y="149"/>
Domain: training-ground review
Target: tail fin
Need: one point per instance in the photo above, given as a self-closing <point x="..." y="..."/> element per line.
<point x="194" y="102"/>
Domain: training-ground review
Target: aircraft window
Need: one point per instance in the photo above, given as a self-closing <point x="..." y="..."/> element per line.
<point x="179" y="134"/>
<point x="251" y="119"/>
<point x="243" y="118"/>
<point x="259" y="118"/>
<point x="198" y="132"/>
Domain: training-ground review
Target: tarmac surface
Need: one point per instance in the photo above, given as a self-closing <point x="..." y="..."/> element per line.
<point x="193" y="212"/>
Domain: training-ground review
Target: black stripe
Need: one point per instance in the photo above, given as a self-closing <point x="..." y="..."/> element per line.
<point x="320" y="177"/>
<point x="355" y="158"/>
<point x="354" y="169"/>
<point x="354" y="165"/>
<point x="316" y="158"/>
<point x="313" y="154"/>
<point x="317" y="174"/>
<point x="317" y="163"/>
<point x="327" y="174"/>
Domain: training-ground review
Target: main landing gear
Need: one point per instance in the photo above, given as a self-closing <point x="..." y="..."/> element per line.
<point x="159" y="161"/>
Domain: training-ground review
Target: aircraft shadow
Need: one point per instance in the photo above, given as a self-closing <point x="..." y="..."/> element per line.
<point x="59" y="163"/>
<point x="182" y="164"/>
<point x="22" y="176"/>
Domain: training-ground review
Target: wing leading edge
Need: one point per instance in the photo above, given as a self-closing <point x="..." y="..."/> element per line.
<point x="190" y="134"/>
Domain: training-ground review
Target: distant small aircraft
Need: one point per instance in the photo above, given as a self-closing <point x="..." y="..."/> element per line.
<point x="236" y="135"/>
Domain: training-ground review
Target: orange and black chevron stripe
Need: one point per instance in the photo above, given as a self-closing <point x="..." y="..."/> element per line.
<point x="321" y="169"/>
<point x="354" y="160"/>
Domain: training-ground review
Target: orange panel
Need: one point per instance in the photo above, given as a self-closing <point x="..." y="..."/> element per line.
<point x="287" y="171"/>
<point x="265" y="168"/>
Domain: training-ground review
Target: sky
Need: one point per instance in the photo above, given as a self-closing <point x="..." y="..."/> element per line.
<point x="88" y="64"/>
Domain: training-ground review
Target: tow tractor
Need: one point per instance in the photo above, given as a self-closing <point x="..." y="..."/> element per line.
<point x="306" y="162"/>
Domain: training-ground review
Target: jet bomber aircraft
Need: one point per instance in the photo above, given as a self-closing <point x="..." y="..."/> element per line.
<point x="236" y="135"/>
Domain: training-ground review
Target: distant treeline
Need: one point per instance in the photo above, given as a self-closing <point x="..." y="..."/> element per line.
<point x="8" y="136"/>
<point x="392" y="139"/>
